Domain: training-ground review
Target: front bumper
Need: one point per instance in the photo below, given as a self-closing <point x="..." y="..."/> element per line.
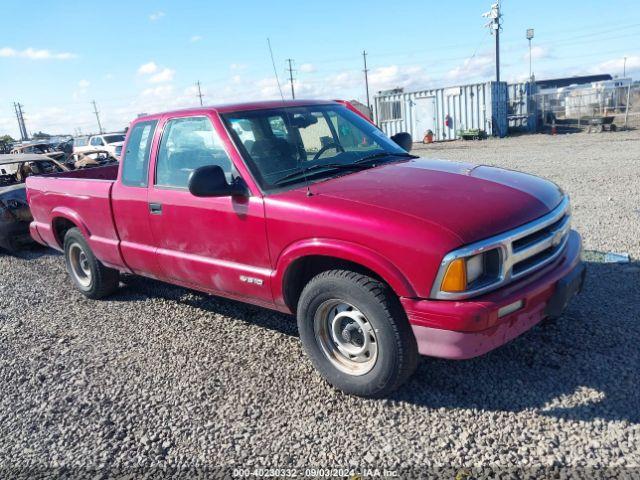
<point x="469" y="328"/>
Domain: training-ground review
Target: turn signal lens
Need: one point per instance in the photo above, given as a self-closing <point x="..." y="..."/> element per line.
<point x="455" y="280"/>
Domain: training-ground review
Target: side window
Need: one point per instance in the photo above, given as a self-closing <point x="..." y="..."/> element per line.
<point x="187" y="144"/>
<point x="94" y="141"/>
<point x="135" y="163"/>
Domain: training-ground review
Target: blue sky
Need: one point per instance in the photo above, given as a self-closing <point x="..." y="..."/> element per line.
<point x="146" y="55"/>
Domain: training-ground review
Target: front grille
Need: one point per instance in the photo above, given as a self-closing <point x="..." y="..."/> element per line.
<point x="537" y="236"/>
<point x="523" y="250"/>
<point x="539" y="247"/>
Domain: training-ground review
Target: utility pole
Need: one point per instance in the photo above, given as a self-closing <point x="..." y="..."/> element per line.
<point x="293" y="93"/>
<point x="21" y="125"/>
<point x="199" y="94"/>
<point x="366" y="77"/>
<point x="624" y="68"/>
<point x="530" y="37"/>
<point x="494" y="27"/>
<point x="95" y="110"/>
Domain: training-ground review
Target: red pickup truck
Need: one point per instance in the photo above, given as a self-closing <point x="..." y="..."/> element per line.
<point x="308" y="208"/>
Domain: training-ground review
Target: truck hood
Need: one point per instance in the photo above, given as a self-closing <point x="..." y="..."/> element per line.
<point x="472" y="201"/>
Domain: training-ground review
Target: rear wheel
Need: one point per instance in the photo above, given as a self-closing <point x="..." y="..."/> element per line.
<point x="89" y="275"/>
<point x="356" y="333"/>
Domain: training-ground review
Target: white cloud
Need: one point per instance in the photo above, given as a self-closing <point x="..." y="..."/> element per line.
<point x="237" y="66"/>
<point x="472" y="69"/>
<point x="195" y="38"/>
<point x="307" y="68"/>
<point x="155" y="73"/>
<point x="79" y="93"/>
<point x="156" y="16"/>
<point x="537" y="53"/>
<point x="161" y="91"/>
<point x="35" y="54"/>
<point x="165" y="75"/>
<point x="409" y="77"/>
<point x="147" y="68"/>
<point x="616" y="66"/>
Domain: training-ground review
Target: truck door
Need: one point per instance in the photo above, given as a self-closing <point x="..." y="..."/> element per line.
<point x="215" y="243"/>
<point x="129" y="201"/>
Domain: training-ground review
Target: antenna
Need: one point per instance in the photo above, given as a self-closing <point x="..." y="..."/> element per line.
<point x="275" y="70"/>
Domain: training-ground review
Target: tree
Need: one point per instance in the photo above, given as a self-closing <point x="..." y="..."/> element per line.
<point x="41" y="135"/>
<point x="6" y="139"/>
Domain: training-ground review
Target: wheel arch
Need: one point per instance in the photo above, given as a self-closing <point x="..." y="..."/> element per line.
<point x="302" y="261"/>
<point x="62" y="220"/>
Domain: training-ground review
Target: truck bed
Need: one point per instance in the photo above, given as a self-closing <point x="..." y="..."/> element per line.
<point x="107" y="172"/>
<point x="82" y="197"/>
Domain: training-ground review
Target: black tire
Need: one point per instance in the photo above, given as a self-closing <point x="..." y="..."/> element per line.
<point x="99" y="281"/>
<point x="396" y="354"/>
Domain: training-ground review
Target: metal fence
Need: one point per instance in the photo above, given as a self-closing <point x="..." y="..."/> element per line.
<point x="587" y="105"/>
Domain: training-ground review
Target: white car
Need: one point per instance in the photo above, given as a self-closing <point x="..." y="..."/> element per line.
<point x="110" y="142"/>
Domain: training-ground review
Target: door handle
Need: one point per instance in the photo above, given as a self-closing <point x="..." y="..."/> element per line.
<point x="155" y="208"/>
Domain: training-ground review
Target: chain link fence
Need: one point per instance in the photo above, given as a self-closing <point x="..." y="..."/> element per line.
<point x="596" y="107"/>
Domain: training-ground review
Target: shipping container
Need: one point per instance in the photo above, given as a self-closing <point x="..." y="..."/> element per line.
<point x="444" y="111"/>
<point x="522" y="109"/>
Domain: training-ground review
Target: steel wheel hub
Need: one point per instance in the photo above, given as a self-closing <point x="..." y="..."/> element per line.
<point x="80" y="265"/>
<point x="346" y="337"/>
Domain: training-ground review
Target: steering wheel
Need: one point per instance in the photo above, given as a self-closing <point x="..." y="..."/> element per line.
<point x="326" y="147"/>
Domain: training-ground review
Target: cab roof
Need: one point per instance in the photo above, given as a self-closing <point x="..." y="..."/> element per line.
<point x="240" y="107"/>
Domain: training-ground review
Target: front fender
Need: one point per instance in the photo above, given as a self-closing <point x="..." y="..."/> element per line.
<point x="343" y="250"/>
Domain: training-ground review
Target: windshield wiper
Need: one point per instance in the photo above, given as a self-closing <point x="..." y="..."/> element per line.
<point x="375" y="156"/>
<point x="303" y="172"/>
<point x="359" y="164"/>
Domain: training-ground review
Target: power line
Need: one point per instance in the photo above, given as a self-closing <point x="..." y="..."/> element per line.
<point x="95" y="110"/>
<point x="199" y="94"/>
<point x="293" y="93"/>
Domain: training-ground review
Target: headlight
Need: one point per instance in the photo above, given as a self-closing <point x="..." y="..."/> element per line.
<point x="470" y="272"/>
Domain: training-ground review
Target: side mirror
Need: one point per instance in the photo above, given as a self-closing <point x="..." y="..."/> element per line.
<point x="210" y="181"/>
<point x="403" y="140"/>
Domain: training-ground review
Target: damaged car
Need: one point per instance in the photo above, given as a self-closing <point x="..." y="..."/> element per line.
<point x="15" y="215"/>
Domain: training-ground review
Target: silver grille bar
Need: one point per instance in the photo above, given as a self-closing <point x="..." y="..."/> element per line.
<point x="549" y="235"/>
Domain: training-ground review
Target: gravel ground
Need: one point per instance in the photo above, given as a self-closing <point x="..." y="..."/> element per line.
<point x="161" y="379"/>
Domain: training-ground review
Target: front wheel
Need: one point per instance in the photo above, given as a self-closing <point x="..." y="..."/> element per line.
<point x="89" y="275"/>
<point x="356" y="333"/>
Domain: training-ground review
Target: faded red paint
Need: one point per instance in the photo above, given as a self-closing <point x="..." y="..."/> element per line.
<point x="398" y="220"/>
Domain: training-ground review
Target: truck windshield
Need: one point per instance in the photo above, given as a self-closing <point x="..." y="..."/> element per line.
<point x="316" y="141"/>
<point x="113" y="138"/>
